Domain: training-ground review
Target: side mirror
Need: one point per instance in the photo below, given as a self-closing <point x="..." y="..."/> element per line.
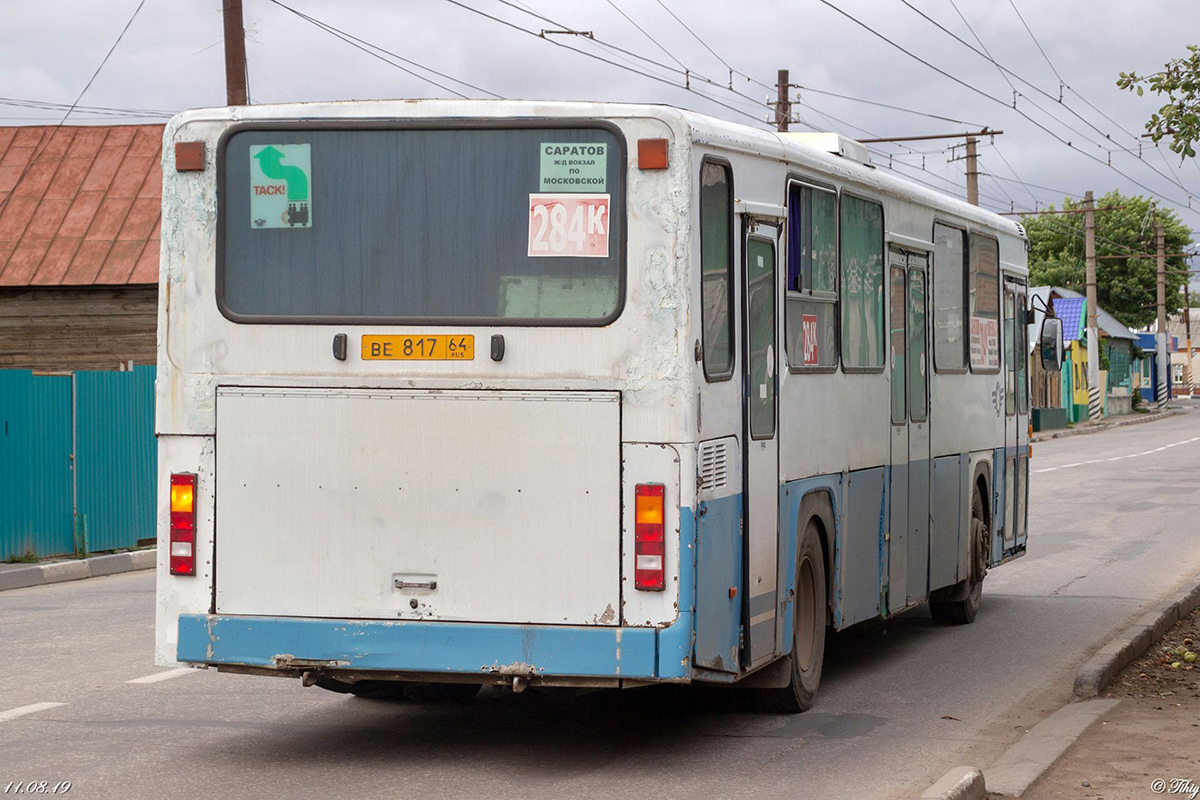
<point x="1051" y="344"/>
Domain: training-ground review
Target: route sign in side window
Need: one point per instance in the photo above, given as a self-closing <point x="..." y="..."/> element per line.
<point x="716" y="268"/>
<point x="949" y="297"/>
<point x="862" y="283"/>
<point x="984" y="265"/>
<point x="811" y="301"/>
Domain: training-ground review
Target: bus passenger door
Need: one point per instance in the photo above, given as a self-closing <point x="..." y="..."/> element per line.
<point x="760" y="350"/>
<point x="1016" y="419"/>
<point x="897" y="535"/>
<point x="919" y="464"/>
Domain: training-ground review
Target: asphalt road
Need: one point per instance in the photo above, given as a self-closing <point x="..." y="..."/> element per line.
<point x="1113" y="530"/>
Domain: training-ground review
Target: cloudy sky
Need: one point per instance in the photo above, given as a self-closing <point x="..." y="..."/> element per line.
<point x="171" y="58"/>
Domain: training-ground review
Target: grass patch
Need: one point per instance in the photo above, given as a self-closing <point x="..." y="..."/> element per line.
<point x="30" y="557"/>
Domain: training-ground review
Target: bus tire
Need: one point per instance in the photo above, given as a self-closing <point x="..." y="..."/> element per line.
<point x="962" y="601"/>
<point x="808" y="636"/>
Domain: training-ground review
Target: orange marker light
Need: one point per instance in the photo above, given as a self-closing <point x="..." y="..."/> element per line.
<point x="183" y="495"/>
<point x="652" y="153"/>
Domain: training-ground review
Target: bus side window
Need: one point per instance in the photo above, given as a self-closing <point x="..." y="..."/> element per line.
<point x="985" y="303"/>
<point x="949" y="298"/>
<point x="1022" y="358"/>
<point x="1010" y="354"/>
<point x="862" y="295"/>
<point x="812" y="291"/>
<point x="716" y="269"/>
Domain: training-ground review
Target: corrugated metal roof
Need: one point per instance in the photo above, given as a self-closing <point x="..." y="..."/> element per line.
<point x="86" y="211"/>
<point x="1071" y="310"/>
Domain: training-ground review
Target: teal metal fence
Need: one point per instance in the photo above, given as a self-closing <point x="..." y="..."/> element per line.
<point x="77" y="461"/>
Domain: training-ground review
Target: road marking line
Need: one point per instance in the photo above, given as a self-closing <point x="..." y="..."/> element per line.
<point x="13" y="713"/>
<point x="1119" y="458"/>
<point x="165" y="676"/>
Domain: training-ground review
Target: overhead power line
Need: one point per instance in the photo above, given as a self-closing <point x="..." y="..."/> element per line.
<point x="1036" y="42"/>
<point x="47" y="105"/>
<point x="998" y="101"/>
<point x="370" y="49"/>
<point x="695" y="35"/>
<point x="1109" y="146"/>
<point x="685" y="86"/>
<point x="38" y="151"/>
<point x="643" y="31"/>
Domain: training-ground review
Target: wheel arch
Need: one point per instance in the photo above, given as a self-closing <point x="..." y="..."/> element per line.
<point x="817" y="505"/>
<point x="981" y="482"/>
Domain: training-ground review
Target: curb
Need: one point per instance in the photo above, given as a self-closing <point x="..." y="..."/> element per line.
<point x="1024" y="762"/>
<point x="93" y="567"/>
<point x="960" y="783"/>
<point x="1095" y="675"/>
<point x="1152" y="416"/>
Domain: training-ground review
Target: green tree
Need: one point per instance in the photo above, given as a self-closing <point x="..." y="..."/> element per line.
<point x="1179" y="118"/>
<point x="1126" y="287"/>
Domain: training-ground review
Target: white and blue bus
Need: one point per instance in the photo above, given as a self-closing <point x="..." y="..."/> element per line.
<point x="454" y="393"/>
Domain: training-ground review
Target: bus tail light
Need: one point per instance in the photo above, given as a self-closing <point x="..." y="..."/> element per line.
<point x="183" y="523"/>
<point x="649" y="538"/>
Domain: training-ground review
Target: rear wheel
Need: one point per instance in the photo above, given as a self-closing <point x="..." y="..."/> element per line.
<point x="963" y="599"/>
<point x="808" y="639"/>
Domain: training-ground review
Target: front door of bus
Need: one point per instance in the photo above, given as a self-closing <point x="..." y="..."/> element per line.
<point x="761" y="445"/>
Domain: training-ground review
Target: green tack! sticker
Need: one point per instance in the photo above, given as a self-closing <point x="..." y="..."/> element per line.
<point x="281" y="186"/>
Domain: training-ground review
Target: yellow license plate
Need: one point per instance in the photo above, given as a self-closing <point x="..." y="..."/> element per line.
<point x="458" y="347"/>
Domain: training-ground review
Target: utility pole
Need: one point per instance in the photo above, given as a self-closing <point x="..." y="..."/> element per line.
<point x="783" y="105"/>
<point x="1187" y="329"/>
<point x="1161" y="338"/>
<point x="235" y="53"/>
<point x="1095" y="390"/>
<point x="971" y="157"/>
<point x="972" y="172"/>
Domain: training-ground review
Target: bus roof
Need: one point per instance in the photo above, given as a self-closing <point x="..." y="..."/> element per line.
<point x="701" y="128"/>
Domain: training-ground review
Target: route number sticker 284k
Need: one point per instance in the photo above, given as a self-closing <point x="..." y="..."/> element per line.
<point x="568" y="225"/>
<point x="281" y="186"/>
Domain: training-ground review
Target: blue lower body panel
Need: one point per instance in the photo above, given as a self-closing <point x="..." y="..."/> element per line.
<point x="429" y="646"/>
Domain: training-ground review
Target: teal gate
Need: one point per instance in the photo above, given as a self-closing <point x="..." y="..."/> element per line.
<point x="77" y="461"/>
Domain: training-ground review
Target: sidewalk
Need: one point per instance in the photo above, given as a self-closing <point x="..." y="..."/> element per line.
<point x="20" y="575"/>
<point x="1110" y="422"/>
<point x="1153" y="734"/>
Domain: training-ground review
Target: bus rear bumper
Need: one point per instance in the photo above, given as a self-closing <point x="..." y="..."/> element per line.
<point x="290" y="644"/>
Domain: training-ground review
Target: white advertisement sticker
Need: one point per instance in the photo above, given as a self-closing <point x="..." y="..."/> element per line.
<point x="985" y="342"/>
<point x="568" y="225"/>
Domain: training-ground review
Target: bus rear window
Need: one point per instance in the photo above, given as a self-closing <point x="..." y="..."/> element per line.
<point x="517" y="225"/>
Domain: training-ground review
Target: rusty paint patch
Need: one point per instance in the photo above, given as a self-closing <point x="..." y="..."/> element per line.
<point x="516" y="668"/>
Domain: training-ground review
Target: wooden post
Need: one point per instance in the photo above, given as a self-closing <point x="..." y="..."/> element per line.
<point x="235" y="54"/>
<point x="1161" y="344"/>
<point x="783" y="106"/>
<point x="1095" y="390"/>
<point x="972" y="172"/>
